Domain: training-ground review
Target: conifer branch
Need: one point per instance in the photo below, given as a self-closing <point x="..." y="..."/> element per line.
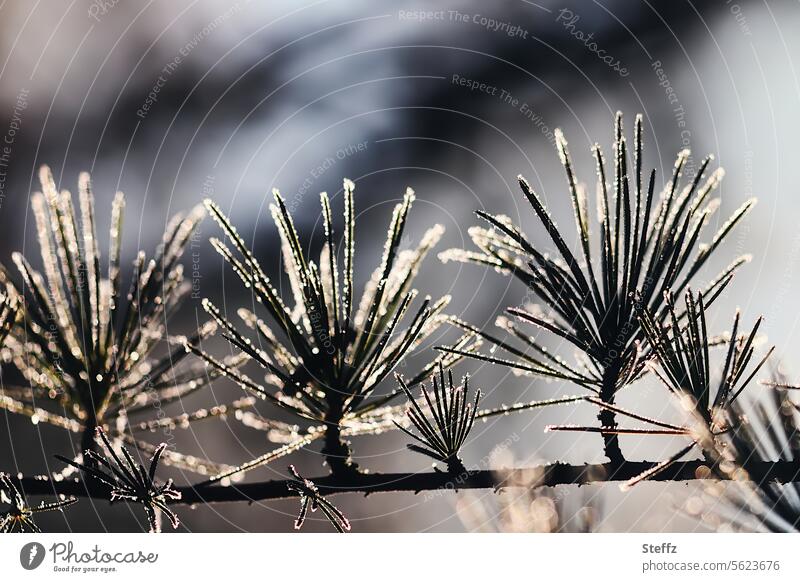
<point x="368" y="483"/>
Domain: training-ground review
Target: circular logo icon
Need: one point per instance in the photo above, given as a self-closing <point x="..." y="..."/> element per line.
<point x="31" y="555"/>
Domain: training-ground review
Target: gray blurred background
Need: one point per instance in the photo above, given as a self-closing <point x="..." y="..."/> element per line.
<point x="174" y="101"/>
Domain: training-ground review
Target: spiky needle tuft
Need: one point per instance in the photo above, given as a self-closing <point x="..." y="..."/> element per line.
<point x="19" y="518"/>
<point x="448" y="421"/>
<point x="647" y="244"/>
<point x="682" y="363"/>
<point x="127" y="480"/>
<point x="311" y="499"/>
<point x="326" y="356"/>
<point x="87" y="348"/>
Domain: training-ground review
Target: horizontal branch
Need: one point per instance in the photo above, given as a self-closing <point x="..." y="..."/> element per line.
<point x="368" y="483"/>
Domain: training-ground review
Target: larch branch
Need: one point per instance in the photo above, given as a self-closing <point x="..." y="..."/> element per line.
<point x="369" y="483"/>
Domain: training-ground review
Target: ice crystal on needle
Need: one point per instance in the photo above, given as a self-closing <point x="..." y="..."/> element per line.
<point x="8" y="315"/>
<point x="682" y="363"/>
<point x="85" y="346"/>
<point x="20" y="517"/>
<point x="128" y="480"/>
<point x="310" y="498"/>
<point x="445" y="427"/>
<point x="327" y="355"/>
<point x="761" y="430"/>
<point x="646" y="245"/>
<point x="97" y="361"/>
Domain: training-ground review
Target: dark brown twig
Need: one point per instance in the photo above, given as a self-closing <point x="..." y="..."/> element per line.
<point x="368" y="483"/>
